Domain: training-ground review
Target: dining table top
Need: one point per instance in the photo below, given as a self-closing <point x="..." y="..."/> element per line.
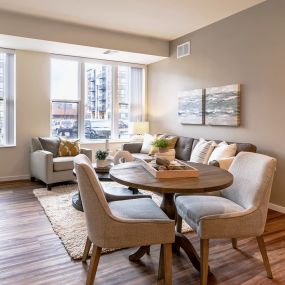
<point x="133" y="174"/>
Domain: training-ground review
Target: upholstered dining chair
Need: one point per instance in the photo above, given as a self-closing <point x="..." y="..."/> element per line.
<point x="120" y="224"/>
<point x="238" y="211"/>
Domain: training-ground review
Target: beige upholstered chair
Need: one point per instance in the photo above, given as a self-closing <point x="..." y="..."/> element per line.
<point x="48" y="167"/>
<point x="238" y="211"/>
<point x="120" y="224"/>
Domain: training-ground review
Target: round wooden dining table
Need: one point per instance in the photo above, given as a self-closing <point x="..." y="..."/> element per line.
<point x="211" y="178"/>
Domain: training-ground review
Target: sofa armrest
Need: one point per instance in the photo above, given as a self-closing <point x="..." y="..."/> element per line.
<point x="132" y="147"/>
<point x="87" y="152"/>
<point x="42" y="165"/>
<point x="223" y="163"/>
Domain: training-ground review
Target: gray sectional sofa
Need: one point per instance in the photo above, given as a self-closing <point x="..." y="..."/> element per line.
<point x="183" y="148"/>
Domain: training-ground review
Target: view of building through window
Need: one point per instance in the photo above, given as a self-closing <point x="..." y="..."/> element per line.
<point x="111" y="98"/>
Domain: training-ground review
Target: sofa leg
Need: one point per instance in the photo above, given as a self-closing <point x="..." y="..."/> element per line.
<point x="33" y="179"/>
<point x="49" y="187"/>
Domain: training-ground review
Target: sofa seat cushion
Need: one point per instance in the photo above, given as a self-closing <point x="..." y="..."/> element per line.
<point x="140" y="156"/>
<point x="63" y="163"/>
<point x="194" y="208"/>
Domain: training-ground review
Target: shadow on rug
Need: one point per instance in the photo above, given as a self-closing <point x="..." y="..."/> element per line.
<point x="68" y="223"/>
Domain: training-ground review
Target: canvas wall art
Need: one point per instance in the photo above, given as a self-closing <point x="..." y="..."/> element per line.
<point x="222" y="105"/>
<point x="190" y="107"/>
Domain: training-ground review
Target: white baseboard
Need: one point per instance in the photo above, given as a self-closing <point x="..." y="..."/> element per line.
<point x="277" y="208"/>
<point x="14" y="178"/>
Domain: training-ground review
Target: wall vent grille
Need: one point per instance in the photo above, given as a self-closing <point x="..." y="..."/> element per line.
<point x="183" y="50"/>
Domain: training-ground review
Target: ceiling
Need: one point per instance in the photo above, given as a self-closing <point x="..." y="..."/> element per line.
<point x="163" y="19"/>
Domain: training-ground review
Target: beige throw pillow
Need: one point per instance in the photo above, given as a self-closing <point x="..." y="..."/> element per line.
<point x="202" y="151"/>
<point x="147" y="143"/>
<point x="223" y="150"/>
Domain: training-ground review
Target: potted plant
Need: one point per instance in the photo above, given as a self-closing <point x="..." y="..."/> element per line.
<point x="162" y="144"/>
<point x="101" y="158"/>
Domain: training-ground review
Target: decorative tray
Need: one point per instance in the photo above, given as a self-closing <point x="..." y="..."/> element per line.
<point x="178" y="169"/>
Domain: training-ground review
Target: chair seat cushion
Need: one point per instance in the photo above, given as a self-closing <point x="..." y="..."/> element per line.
<point x="194" y="208"/>
<point x="63" y="163"/>
<point x="144" y="209"/>
<point x="140" y="156"/>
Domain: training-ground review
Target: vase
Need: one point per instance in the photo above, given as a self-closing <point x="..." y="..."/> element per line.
<point x="169" y="154"/>
<point x="101" y="163"/>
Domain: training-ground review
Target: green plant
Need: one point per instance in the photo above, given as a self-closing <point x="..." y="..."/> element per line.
<point x="161" y="143"/>
<point x="101" y="154"/>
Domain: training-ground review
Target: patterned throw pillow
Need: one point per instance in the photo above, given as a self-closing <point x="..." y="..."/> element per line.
<point x="68" y="147"/>
<point x="202" y="151"/>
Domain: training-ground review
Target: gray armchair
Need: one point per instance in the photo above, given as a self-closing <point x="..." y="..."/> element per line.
<point x="239" y="211"/>
<point x="120" y="224"/>
<point x="47" y="167"/>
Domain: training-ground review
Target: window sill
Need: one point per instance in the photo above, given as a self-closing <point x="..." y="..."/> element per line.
<point x="111" y="141"/>
<point x="7" y="146"/>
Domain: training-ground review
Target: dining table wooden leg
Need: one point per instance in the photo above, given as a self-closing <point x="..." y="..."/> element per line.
<point x="136" y="256"/>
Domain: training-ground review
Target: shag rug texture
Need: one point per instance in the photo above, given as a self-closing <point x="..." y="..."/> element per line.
<point x="68" y="223"/>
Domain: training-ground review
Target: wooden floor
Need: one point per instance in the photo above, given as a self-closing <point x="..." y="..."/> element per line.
<point x="31" y="253"/>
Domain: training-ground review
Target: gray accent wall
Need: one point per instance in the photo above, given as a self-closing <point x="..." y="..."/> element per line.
<point x="247" y="48"/>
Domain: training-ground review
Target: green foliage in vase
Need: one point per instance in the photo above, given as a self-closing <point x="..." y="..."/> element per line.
<point x="161" y="143"/>
<point x="101" y="154"/>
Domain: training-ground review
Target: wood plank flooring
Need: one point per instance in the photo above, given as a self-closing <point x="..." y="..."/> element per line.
<point x="32" y="254"/>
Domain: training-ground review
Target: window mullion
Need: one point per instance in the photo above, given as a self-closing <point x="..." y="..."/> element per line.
<point x="115" y="117"/>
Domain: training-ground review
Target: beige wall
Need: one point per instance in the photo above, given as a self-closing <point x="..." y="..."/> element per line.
<point x="32" y="113"/>
<point x="43" y="29"/>
<point x="247" y="48"/>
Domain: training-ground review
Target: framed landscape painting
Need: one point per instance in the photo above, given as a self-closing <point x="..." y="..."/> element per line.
<point x="190" y="107"/>
<point x="222" y="105"/>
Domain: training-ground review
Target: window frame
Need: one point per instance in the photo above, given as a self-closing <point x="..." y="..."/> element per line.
<point x="82" y="89"/>
<point x="9" y="98"/>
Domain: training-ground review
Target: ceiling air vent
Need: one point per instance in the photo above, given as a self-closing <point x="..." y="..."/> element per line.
<point x="183" y="50"/>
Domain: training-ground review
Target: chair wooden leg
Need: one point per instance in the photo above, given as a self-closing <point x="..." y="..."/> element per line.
<point x="234" y="243"/>
<point x="93" y="265"/>
<point x="167" y="260"/>
<point x="204" y="252"/>
<point x="165" y="264"/>
<point x="263" y="252"/>
<point x="160" y="275"/>
<point x="88" y="244"/>
<point x="178" y="224"/>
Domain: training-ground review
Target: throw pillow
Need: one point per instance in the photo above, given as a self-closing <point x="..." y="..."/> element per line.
<point x="223" y="150"/>
<point x="172" y="142"/>
<point x="69" y="147"/>
<point x="50" y="144"/>
<point x="202" y="151"/>
<point x="147" y="143"/>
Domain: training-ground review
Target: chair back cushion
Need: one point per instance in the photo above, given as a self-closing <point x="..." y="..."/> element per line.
<point x="253" y="175"/>
<point x="93" y="199"/>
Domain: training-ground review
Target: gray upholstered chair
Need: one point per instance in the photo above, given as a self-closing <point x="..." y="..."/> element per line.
<point x="120" y="224"/>
<point x="47" y="166"/>
<point x="238" y="211"/>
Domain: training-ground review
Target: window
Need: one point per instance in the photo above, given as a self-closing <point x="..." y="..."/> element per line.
<point x="95" y="100"/>
<point x="65" y="98"/>
<point x="7" y="104"/>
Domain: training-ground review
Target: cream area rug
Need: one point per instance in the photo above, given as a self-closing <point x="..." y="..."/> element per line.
<point x="67" y="222"/>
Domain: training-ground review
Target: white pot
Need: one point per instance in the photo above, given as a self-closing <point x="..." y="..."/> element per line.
<point x="102" y="163"/>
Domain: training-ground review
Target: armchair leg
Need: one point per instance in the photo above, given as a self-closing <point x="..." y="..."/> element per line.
<point x="234" y="243"/>
<point x="263" y="252"/>
<point x="204" y="253"/>
<point x="93" y="265"/>
<point x="165" y="264"/>
<point x="88" y="244"/>
<point x="49" y="187"/>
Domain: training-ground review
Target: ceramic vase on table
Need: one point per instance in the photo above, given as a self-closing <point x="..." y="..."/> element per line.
<point x="165" y="153"/>
<point x="101" y="163"/>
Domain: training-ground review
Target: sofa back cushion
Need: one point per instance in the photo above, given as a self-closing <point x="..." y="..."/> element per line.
<point x="50" y="144"/>
<point x="183" y="148"/>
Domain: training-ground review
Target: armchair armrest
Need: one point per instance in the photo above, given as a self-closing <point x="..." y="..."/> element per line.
<point x="42" y="165"/>
<point x="132" y="147"/>
<point x="87" y="152"/>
